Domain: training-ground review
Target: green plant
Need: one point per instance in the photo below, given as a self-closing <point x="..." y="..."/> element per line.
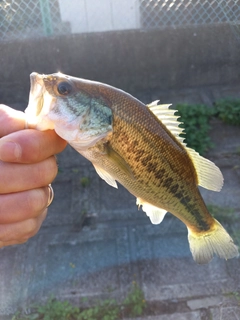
<point x="196" y="126"/>
<point x="85" y="182"/>
<point x="57" y="310"/>
<point x="238" y="151"/>
<point x="236" y="236"/>
<point x="108" y="309"/>
<point x="135" y="302"/>
<point x="228" y="110"/>
<point x="227" y="216"/>
<point x="224" y="214"/>
<point x="235" y="295"/>
<point x="75" y="170"/>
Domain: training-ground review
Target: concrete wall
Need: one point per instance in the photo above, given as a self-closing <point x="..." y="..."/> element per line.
<point x="135" y="61"/>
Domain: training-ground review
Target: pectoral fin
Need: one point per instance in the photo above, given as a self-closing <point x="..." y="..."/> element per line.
<point x="155" y="214"/>
<point x="118" y="160"/>
<point x="106" y="176"/>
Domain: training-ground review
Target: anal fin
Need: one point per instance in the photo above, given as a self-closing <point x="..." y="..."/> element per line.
<point x="155" y="214"/>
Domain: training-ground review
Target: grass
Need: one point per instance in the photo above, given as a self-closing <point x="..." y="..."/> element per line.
<point x="134" y="303"/>
<point x="224" y="214"/>
<point x="85" y="182"/>
<point x="227" y="216"/>
<point x="228" y="110"/>
<point x="132" y="306"/>
<point x="234" y="295"/>
<point x="196" y="126"/>
<point x="196" y="121"/>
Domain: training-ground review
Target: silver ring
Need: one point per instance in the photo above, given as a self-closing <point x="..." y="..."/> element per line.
<point x="51" y="195"/>
<point x="26" y="124"/>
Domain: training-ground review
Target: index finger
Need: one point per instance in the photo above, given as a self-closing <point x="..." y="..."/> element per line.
<point x="30" y="146"/>
<point x="11" y="120"/>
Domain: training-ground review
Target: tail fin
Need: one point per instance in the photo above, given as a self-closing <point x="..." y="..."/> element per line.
<point x="217" y="241"/>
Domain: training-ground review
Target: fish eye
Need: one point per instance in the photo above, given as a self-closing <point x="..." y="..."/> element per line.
<point x="64" y="88"/>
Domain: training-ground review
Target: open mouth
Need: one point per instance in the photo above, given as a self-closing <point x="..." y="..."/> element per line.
<point x="39" y="104"/>
<point x="36" y="94"/>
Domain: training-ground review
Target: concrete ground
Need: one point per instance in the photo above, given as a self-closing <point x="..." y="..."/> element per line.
<point x="95" y="242"/>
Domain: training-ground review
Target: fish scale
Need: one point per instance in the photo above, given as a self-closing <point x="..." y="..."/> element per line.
<point x="138" y="146"/>
<point x="152" y="153"/>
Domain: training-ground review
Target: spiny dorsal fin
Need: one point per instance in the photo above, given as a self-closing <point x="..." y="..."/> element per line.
<point x="168" y="118"/>
<point x="209" y="175"/>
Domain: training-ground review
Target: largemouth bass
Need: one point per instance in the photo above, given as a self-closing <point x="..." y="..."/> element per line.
<point x="138" y="146"/>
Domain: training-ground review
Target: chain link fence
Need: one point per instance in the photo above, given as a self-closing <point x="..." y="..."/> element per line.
<point x="38" y="18"/>
<point x="160" y="13"/>
<point x="30" y="18"/>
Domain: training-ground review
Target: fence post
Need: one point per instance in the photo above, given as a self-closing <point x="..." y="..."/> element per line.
<point x="46" y="17"/>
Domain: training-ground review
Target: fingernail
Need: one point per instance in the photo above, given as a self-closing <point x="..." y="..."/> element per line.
<point x="10" y="151"/>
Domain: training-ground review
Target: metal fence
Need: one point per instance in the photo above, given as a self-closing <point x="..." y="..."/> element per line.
<point x="159" y="13"/>
<point x="30" y="18"/>
<point x="37" y="18"/>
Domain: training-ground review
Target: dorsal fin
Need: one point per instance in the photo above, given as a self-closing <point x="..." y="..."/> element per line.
<point x="209" y="175"/>
<point x="168" y="118"/>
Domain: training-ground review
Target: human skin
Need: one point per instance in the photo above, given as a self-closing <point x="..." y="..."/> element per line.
<point x="27" y="165"/>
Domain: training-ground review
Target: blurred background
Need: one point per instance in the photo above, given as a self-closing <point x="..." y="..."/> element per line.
<point x="95" y="244"/>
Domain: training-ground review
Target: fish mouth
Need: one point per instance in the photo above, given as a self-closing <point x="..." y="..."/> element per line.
<point x="36" y="93"/>
<point x="39" y="100"/>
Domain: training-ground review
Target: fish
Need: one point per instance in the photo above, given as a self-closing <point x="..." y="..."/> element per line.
<point x="137" y="145"/>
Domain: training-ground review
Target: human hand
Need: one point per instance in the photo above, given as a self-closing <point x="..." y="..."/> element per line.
<point x="27" y="167"/>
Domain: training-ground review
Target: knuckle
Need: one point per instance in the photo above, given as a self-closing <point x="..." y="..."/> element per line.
<point x="24" y="240"/>
<point x="13" y="242"/>
<point x="1" y="206"/>
<point x="36" y="200"/>
<point x="31" y="227"/>
<point x="49" y="170"/>
<point x="54" y="167"/>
